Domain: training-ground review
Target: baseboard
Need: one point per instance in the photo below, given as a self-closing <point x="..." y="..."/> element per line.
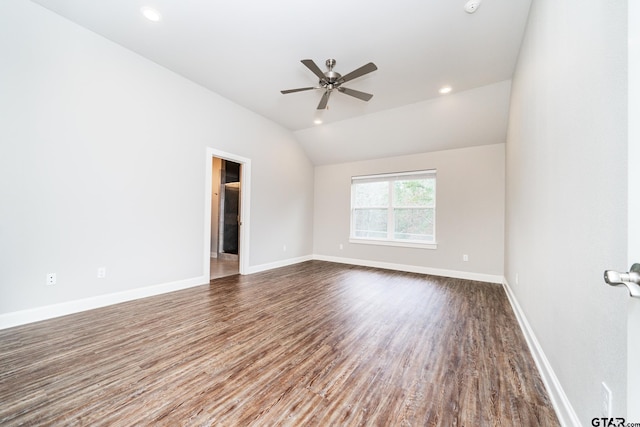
<point x="561" y="404"/>
<point x="277" y="264"/>
<point x="491" y="278"/>
<point x="17" y="318"/>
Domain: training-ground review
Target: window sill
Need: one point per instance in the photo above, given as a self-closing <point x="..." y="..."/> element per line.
<point x="394" y="243"/>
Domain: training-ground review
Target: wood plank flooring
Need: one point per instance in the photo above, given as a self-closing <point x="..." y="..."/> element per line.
<point x="314" y="344"/>
<point x="223" y="268"/>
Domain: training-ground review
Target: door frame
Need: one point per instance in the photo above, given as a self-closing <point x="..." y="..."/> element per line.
<point x="245" y="199"/>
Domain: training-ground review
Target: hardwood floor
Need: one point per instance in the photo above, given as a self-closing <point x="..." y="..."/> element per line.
<point x="314" y="344"/>
<point x="223" y="267"/>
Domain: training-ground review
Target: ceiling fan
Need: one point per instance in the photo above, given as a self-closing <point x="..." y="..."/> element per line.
<point x="331" y="80"/>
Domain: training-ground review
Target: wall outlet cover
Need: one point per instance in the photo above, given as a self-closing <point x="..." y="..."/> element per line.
<point x="51" y="279"/>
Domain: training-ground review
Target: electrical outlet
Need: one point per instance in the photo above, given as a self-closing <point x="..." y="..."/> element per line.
<point x="102" y="272"/>
<point x="517" y="278"/>
<point x="341" y="246"/>
<point x="51" y="279"/>
<point x="465" y="257"/>
<point x="607" y="401"/>
<point x="284" y="248"/>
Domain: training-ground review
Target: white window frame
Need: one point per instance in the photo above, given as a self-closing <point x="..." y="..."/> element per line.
<point x="390" y="241"/>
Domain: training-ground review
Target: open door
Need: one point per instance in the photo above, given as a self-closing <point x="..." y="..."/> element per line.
<point x="633" y="200"/>
<point x="631" y="278"/>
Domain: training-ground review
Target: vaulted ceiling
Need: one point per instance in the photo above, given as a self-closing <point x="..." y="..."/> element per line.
<point x="249" y="50"/>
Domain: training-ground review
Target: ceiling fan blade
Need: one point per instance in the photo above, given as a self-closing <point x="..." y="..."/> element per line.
<point x="314" y="68"/>
<point x="365" y="69"/>
<point x="356" y="93"/>
<point x="324" y="100"/>
<point x="284" y="92"/>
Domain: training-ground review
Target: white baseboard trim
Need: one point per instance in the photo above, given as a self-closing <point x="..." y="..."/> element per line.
<point x="491" y="278"/>
<point x="565" y="412"/>
<point x="17" y="318"/>
<point x="277" y="264"/>
<point x="23" y="317"/>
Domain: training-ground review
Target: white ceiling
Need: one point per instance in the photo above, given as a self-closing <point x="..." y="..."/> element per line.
<point x="248" y="50"/>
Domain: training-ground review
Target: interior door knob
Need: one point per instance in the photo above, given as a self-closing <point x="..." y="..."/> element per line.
<point x="630" y="279"/>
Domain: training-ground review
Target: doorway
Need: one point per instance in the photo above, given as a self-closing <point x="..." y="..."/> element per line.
<point x="226" y="214"/>
<point x="225" y="218"/>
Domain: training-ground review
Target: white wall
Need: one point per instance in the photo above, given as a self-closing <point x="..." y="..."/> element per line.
<point x="566" y="194"/>
<point x="103" y="164"/>
<point x="469" y="212"/>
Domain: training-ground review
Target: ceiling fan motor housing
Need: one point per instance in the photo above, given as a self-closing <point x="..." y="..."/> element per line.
<point x="332" y="80"/>
<point x="332" y="77"/>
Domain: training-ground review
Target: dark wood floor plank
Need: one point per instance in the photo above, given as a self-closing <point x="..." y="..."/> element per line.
<point x="311" y="344"/>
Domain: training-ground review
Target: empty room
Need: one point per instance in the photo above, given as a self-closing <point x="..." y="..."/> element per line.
<point x="319" y="214"/>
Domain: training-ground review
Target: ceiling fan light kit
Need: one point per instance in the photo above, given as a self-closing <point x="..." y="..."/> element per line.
<point x="330" y="80"/>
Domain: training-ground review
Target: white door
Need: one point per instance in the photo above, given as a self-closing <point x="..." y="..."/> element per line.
<point x="633" y="196"/>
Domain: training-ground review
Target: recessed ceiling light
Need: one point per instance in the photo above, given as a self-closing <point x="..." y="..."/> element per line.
<point x="151" y="14"/>
<point x="471" y="6"/>
<point x="445" y="89"/>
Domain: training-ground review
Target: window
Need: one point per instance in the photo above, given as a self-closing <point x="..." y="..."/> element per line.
<point x="397" y="209"/>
